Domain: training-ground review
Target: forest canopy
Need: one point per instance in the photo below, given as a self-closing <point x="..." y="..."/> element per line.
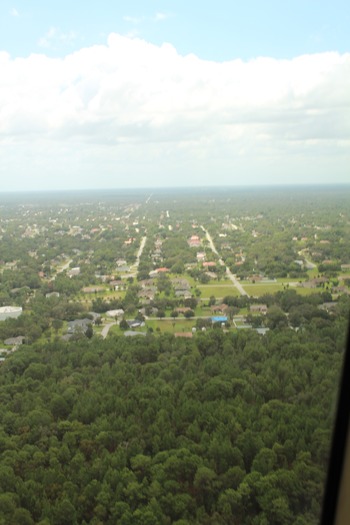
<point x="221" y="428"/>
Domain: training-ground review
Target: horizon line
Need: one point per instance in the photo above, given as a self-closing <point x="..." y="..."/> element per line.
<point x="206" y="187"/>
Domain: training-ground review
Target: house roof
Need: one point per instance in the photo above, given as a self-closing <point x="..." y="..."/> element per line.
<point x="78" y="324"/>
<point x="14" y="340"/>
<point x="132" y="333"/>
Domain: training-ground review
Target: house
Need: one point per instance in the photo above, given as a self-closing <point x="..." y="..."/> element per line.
<point x="146" y="283"/>
<point x="180" y="284"/>
<point x="124" y="268"/>
<point x="148" y="293"/>
<point x="119" y="312"/>
<point x="135" y="323"/>
<point x="73" y="272"/>
<point x="93" y="289"/>
<point x="78" y="326"/>
<point x="157" y="271"/>
<point x="194" y="241"/>
<point x="7" y="312"/>
<point x="162" y="270"/>
<point x="211" y="275"/>
<point x="150" y="310"/>
<point x="262" y="330"/>
<point x="182" y="288"/>
<point x="132" y="333"/>
<point x="183" y="310"/>
<point x="219" y="319"/>
<point x="341" y="290"/>
<point x="104" y="278"/>
<point x="258" y="308"/>
<point x="186" y="294"/>
<point x="117" y="284"/>
<point x="52" y="294"/>
<point x="255" y="278"/>
<point x="219" y="308"/>
<point x="26" y="289"/>
<point x="314" y="283"/>
<point x="329" y="306"/>
<point x="14" y="341"/>
<point x="95" y="316"/>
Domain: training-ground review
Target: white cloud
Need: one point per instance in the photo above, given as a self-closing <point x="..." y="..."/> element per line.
<point x="55" y="37"/>
<point x="14" y="12"/>
<point x="145" y="110"/>
<point x="132" y="19"/>
<point x="159" y="17"/>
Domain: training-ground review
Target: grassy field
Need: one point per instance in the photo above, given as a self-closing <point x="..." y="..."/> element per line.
<point x="215" y="282"/>
<point x="262" y="288"/>
<point x="309" y="291"/>
<point x="203" y="311"/>
<point x="270" y="288"/>
<point x="167" y="325"/>
<point x="313" y="273"/>
<point x="217" y="290"/>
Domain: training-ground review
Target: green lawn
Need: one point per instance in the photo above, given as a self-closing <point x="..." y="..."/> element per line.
<point x="271" y="288"/>
<point x="167" y="325"/>
<point x="309" y="291"/>
<point x="313" y="273"/>
<point x="203" y="311"/>
<point x="217" y="290"/>
<point x="261" y="289"/>
<point x="215" y="282"/>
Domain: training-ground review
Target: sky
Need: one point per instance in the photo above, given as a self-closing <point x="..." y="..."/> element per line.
<point x="161" y="93"/>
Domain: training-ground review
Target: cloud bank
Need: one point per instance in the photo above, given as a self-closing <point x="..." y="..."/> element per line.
<point x="132" y="109"/>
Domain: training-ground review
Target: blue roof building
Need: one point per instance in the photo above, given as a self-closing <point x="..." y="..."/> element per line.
<point x="219" y="319"/>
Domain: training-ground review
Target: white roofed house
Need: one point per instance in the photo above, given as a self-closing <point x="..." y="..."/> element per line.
<point x="73" y="271"/>
<point x="10" y="312"/>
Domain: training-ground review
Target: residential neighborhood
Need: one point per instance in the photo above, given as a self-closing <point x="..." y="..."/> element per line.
<point x="147" y="265"/>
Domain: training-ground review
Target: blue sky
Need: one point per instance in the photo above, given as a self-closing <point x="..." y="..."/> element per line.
<point x="163" y="93"/>
<point x="220" y="30"/>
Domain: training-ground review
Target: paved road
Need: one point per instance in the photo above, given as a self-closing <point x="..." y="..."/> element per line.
<point x="63" y="268"/>
<point x="139" y="253"/>
<point x="135" y="266"/>
<point x="237" y="284"/>
<point x="106" y="329"/>
<point x="309" y="263"/>
<point x="229" y="274"/>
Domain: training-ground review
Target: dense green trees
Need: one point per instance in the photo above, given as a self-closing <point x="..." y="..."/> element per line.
<point x="223" y="428"/>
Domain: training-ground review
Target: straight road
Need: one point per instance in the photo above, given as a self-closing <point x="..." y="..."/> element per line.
<point x="135" y="266"/>
<point x="229" y="274"/>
